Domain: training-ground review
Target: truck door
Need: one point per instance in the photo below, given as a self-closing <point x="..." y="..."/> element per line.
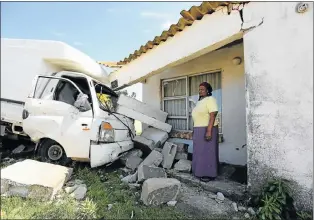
<point x="50" y="113"/>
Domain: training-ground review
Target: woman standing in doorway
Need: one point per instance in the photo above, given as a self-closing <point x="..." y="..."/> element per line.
<point x="205" y="135"/>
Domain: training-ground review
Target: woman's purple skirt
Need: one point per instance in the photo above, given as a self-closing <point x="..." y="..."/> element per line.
<point x="205" y="153"/>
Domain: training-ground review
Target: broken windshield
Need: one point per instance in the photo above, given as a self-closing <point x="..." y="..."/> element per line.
<point x="107" y="98"/>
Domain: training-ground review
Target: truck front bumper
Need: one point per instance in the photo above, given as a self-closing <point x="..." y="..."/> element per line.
<point x="101" y="154"/>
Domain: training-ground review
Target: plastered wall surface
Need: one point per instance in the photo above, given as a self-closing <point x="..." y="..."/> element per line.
<point x="279" y="92"/>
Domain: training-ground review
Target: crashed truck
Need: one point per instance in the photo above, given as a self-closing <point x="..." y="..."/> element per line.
<point x="57" y="96"/>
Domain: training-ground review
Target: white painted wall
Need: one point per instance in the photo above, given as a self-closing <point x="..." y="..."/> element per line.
<point x="279" y="82"/>
<point x="233" y="97"/>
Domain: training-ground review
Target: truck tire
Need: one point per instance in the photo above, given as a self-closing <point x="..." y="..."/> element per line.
<point x="52" y="152"/>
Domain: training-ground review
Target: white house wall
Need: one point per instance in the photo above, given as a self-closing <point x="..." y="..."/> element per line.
<point x="279" y="80"/>
<point x="233" y="97"/>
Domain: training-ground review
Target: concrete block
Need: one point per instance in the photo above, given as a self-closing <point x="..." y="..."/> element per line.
<point x="180" y="156"/>
<point x="154" y="158"/>
<point x="132" y="178"/>
<point x="145" y="172"/>
<point x="181" y="147"/>
<point x="133" y="162"/>
<point x="169" y="152"/>
<point x="156" y="135"/>
<point x="133" y="152"/>
<point x="143" y="118"/>
<point x="143" y="143"/>
<point x="183" y="166"/>
<point x="142" y="108"/>
<point x="33" y="179"/>
<point x="156" y="191"/>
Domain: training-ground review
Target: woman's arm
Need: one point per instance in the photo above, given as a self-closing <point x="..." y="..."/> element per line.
<point x="210" y="125"/>
<point x="213" y="110"/>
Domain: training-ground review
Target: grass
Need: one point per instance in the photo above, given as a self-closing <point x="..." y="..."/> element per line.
<point x="100" y="194"/>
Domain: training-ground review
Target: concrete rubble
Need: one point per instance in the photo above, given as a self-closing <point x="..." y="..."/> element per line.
<point x="133" y="152"/>
<point x="133" y="162"/>
<point x="145" y="172"/>
<point x="33" y="179"/>
<point x="142" y="112"/>
<point x="154" y="158"/>
<point x="183" y="165"/>
<point x="158" y="136"/>
<point x="156" y="191"/>
<point x="182" y="151"/>
<point x="76" y="189"/>
<point x="169" y="152"/>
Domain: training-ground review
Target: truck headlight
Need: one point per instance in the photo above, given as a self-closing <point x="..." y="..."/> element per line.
<point x="106" y="133"/>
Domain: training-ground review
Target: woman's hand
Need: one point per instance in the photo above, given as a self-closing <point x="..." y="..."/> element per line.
<point x="208" y="135"/>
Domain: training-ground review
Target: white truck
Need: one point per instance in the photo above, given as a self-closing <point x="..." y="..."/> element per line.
<point x="57" y="96"/>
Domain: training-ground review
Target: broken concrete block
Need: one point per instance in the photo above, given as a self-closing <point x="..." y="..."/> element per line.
<point x="180" y="156"/>
<point x="169" y="152"/>
<point x="156" y="191"/>
<point x="123" y="110"/>
<point x="183" y="166"/>
<point x="145" y="172"/>
<point x="251" y="211"/>
<point x="133" y="162"/>
<point x="172" y="203"/>
<point x="154" y="158"/>
<point x="70" y="189"/>
<point x="125" y="171"/>
<point x="181" y="147"/>
<point x="132" y="178"/>
<point x="235" y="206"/>
<point x="80" y="192"/>
<point x="143" y="143"/>
<point x="134" y="185"/>
<point x="241" y="208"/>
<point x="155" y="135"/>
<point x="158" y="149"/>
<point x="134" y="152"/>
<point x="34" y="179"/>
<point x="142" y="107"/>
<point x="220" y="196"/>
<point x="247" y="215"/>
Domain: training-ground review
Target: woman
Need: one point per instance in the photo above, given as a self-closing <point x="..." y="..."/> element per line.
<point x="205" y="135"/>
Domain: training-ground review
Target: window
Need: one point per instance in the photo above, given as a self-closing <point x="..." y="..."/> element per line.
<point x="56" y="89"/>
<point x="106" y="97"/>
<point x="180" y="95"/>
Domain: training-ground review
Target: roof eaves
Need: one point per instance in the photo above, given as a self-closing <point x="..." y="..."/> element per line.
<point x="187" y="19"/>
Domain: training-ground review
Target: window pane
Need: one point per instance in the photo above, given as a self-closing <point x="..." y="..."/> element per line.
<point x="66" y="92"/>
<point x="45" y="88"/>
<point x="175" y="88"/>
<point x="214" y="79"/>
<point x="175" y="107"/>
<point x="177" y="124"/>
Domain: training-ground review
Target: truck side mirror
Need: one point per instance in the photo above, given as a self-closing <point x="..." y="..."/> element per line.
<point x="82" y="103"/>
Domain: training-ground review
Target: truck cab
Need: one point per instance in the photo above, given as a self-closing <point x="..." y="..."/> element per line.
<point x="70" y="115"/>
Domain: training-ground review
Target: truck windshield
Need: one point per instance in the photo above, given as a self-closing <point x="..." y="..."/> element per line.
<point x="107" y="98"/>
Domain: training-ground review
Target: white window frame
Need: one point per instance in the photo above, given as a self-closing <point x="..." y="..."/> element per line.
<point x="187" y="78"/>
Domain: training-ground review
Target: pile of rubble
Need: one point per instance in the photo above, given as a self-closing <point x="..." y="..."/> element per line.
<point x="153" y="154"/>
<point x="150" y="171"/>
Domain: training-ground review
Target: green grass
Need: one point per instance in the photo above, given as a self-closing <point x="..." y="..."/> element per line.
<point x="99" y="195"/>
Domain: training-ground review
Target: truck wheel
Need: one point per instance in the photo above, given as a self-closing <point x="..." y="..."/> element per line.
<point x="52" y="152"/>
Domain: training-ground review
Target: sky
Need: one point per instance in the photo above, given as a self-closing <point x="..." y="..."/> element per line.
<point x="106" y="31"/>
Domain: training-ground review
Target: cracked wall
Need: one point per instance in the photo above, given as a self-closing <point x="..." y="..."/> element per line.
<point x="278" y="57"/>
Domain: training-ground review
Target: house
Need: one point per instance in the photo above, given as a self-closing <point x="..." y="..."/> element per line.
<point x="258" y="58"/>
